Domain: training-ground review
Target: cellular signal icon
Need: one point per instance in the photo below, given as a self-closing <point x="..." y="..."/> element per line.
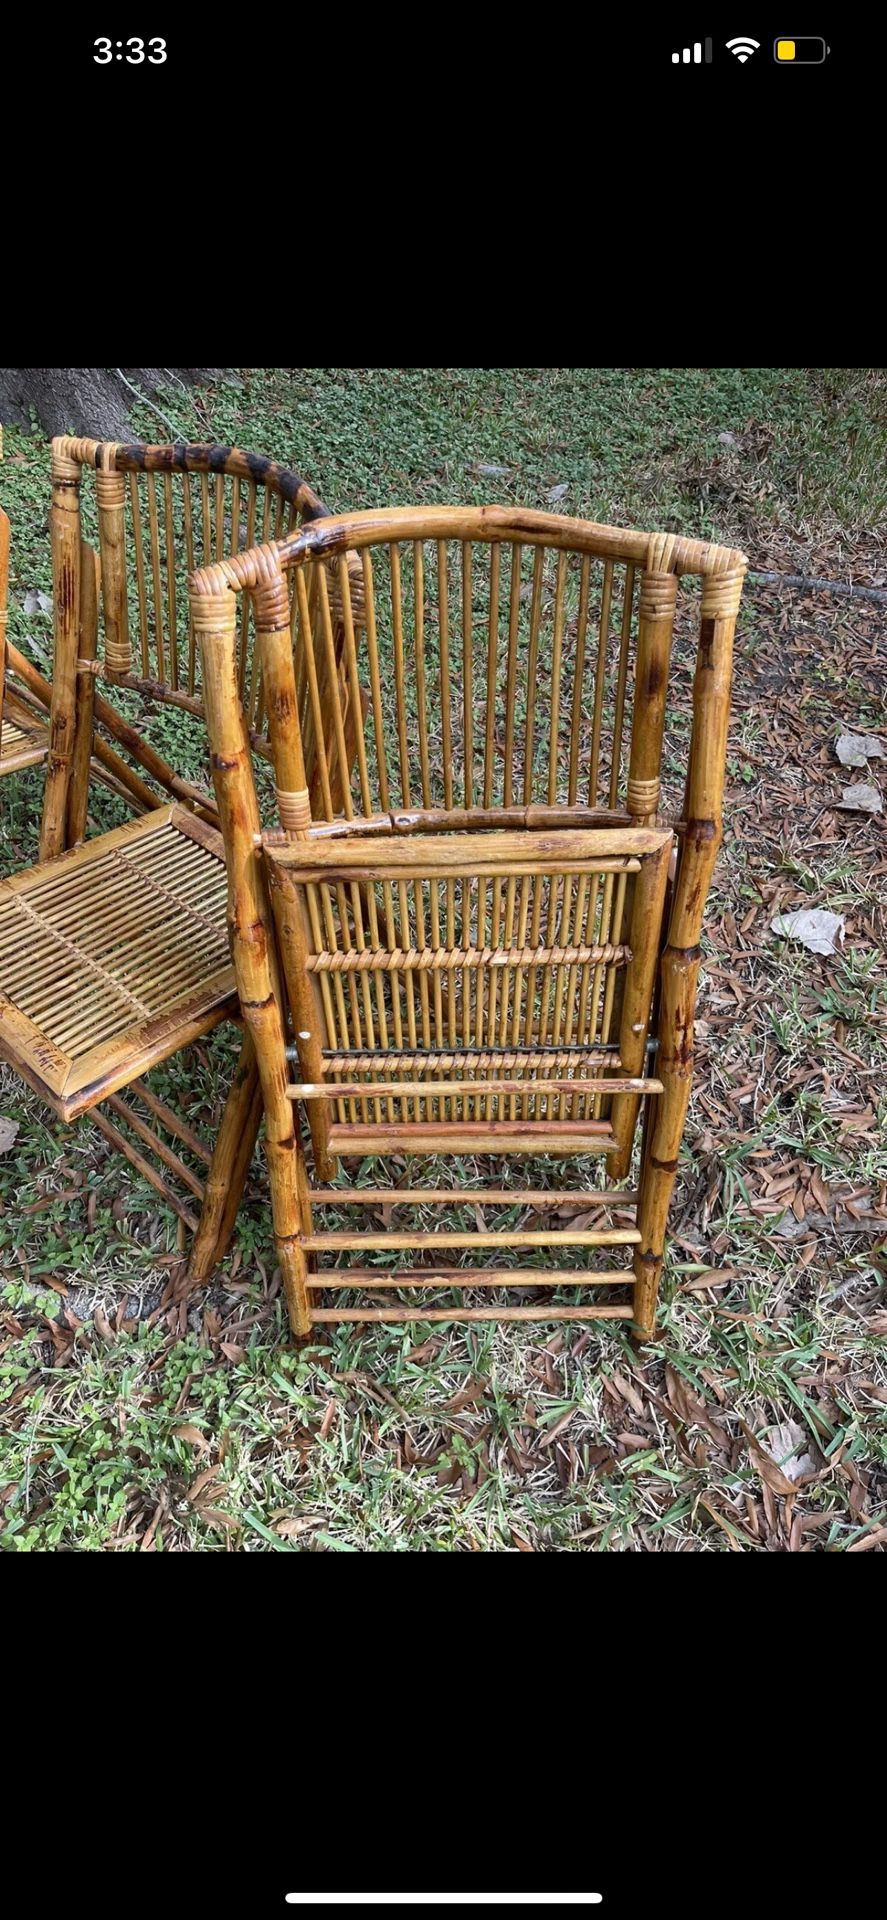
<point x="743" y="47"/>
<point x="692" y="55"/>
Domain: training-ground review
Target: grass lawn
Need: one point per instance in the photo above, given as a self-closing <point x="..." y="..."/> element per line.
<point x="129" y="1425"/>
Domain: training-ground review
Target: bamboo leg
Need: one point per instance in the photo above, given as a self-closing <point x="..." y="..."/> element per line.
<point x="64" y="523"/>
<point x="252" y="936"/>
<point x="656" y="609"/>
<point x="245" y="1152"/>
<point x="681" y="959"/>
<point x="278" y="677"/>
<point x="644" y="940"/>
<point x="228" y="1168"/>
<point x="680" y="972"/>
<point x="84" y="700"/>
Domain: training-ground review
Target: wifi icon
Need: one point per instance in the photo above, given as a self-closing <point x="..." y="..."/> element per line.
<point x="743" y="47"/>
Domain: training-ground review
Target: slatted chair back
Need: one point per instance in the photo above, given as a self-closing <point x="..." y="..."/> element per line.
<point x="160" y="511"/>
<point x="520" y="688"/>
<point x="502" y="650"/>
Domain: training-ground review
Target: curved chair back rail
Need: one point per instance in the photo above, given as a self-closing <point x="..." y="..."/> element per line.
<point x="518" y="665"/>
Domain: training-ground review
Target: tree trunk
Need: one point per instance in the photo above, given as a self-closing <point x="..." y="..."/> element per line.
<point x="95" y="401"/>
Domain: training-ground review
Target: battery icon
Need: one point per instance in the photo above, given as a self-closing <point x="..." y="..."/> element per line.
<point x="796" y="52"/>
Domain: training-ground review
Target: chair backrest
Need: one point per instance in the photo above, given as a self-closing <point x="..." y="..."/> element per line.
<point x="498" y="662"/>
<point x="159" y="513"/>
<point x="485" y="727"/>
<point x="514" y="659"/>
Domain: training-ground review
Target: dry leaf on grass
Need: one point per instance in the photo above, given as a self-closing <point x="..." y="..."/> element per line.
<point x="818" y="930"/>
<point x="857" y="749"/>
<point x="8" y="1131"/>
<point x="475" y="1390"/>
<point x="618" y="1382"/>
<point x="103" y="1326"/>
<point x="719" y="1519"/>
<point x="214" y="1517"/>
<point x="876" y="1539"/>
<point x="559" y="1427"/>
<point x="197" y="1490"/>
<point x="772" y="1475"/>
<point x="691" y="1407"/>
<point x="786" y="1444"/>
<point x="860" y="798"/>
<point x="192" y="1437"/>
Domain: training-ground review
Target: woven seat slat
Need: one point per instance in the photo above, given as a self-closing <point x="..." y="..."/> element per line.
<point x="104" y="945"/>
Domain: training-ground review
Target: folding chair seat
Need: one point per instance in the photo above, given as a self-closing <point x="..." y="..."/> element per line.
<point x="113" y="956"/>
<point x="114" y="951"/>
<point x="479" y="947"/>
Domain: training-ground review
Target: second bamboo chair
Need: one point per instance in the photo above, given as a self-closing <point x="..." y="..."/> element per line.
<point x="114" y="951"/>
<point x="477" y="948"/>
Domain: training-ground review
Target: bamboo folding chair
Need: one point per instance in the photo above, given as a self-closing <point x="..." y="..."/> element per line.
<point x="114" y="951"/>
<point x="481" y="950"/>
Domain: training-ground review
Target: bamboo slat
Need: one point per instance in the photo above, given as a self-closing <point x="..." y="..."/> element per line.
<point x="433" y="1089"/>
<point x="462" y="1277"/>
<point x="461" y="1315"/>
<point x="414" y="1242"/>
<point x="472" y="1137"/>
<point x="539" y="1059"/>
<point x="538" y="1198"/>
